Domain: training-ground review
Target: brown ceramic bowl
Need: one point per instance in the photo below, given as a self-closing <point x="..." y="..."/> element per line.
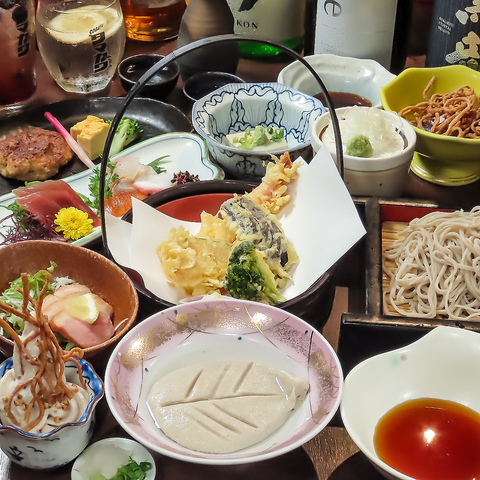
<point x="187" y="201"/>
<point x="84" y="266"/>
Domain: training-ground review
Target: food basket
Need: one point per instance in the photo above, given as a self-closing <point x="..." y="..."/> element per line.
<point x="323" y="288"/>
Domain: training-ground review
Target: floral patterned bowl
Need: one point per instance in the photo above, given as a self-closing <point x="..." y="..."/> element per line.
<point x="63" y="444"/>
<point x="238" y="106"/>
<point x="223" y="329"/>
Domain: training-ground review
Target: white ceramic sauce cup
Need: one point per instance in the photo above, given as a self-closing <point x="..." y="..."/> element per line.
<point x="374" y="176"/>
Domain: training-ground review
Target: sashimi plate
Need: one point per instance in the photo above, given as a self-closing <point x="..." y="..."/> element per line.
<point x="223" y="329"/>
<point x="183" y="151"/>
<point x="153" y="116"/>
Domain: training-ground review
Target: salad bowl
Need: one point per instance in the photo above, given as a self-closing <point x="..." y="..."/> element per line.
<point x="86" y="267"/>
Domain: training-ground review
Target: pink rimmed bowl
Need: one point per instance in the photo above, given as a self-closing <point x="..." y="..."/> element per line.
<point x="223" y="329"/>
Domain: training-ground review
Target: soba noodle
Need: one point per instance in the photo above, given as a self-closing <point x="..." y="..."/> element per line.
<point x="434" y="267"/>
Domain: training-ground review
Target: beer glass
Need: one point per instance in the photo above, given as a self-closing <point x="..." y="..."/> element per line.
<point x="17" y="37"/>
<point x="81" y="42"/>
<point x="152" y="20"/>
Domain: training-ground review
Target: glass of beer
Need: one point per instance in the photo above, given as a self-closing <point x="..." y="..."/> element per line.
<point x="152" y="20"/>
<point x="17" y="37"/>
<point x="81" y="42"/>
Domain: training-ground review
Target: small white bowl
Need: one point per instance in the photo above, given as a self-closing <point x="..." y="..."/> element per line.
<point x="374" y="176"/>
<point x="238" y="106"/>
<point x="339" y="74"/>
<point x="444" y="364"/>
<point x="106" y="456"/>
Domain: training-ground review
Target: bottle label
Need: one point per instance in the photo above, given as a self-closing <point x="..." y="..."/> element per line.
<point x="356" y="28"/>
<point x="277" y="20"/>
<point x="455" y="36"/>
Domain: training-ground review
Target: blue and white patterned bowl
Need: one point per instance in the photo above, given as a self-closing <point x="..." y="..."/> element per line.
<point x="236" y="107"/>
<point x="64" y="443"/>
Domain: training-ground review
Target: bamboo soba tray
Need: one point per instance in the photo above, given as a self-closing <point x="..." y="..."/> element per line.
<point x="379" y="328"/>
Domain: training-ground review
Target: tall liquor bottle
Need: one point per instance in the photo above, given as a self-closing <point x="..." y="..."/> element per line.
<point x="280" y="21"/>
<point x="374" y="29"/>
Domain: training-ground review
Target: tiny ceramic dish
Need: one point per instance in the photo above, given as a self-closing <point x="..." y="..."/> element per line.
<point x="239" y="107"/>
<point x="203" y="83"/>
<point x="106" y="456"/>
<point x="222" y="330"/>
<point x="381" y="176"/>
<point x="441" y="159"/>
<point x="360" y="77"/>
<point x="64" y="443"/>
<point x="444" y="364"/>
<point x="159" y="86"/>
<point x="86" y="267"/>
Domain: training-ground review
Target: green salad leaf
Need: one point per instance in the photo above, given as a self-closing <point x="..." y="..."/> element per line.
<point x="14" y="298"/>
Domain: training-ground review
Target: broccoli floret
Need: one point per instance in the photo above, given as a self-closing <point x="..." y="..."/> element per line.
<point x="249" y="277"/>
<point x="127" y="131"/>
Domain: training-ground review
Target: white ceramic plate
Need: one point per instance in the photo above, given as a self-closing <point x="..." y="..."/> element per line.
<point x="185" y="151"/>
<point x="101" y="451"/>
<point x="223" y="329"/>
<point x="339" y="74"/>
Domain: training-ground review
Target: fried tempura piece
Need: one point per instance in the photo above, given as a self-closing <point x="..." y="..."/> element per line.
<point x="272" y="193"/>
<point x="195" y="263"/>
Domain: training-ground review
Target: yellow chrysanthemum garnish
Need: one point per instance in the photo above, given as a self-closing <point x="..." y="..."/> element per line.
<point x="73" y="223"/>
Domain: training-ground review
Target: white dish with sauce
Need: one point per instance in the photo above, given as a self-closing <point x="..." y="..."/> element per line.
<point x="381" y="176"/>
<point x="357" y="76"/>
<point x="444" y="364"/>
<point x="219" y="329"/>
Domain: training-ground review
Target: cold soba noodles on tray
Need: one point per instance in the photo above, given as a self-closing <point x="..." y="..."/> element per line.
<point x="81" y="45"/>
<point x="432" y="266"/>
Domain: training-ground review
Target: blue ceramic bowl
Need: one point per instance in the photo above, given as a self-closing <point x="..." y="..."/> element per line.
<point x="236" y="107"/>
<point x="64" y="443"/>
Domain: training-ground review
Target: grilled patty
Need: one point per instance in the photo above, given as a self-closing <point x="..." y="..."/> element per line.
<point x="34" y="154"/>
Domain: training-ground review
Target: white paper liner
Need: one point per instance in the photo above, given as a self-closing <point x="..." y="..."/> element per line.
<point x="320" y="220"/>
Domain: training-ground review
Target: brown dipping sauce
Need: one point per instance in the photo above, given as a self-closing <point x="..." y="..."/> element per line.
<point x="344" y="99"/>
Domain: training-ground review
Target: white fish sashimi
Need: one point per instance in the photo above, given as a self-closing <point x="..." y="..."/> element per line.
<point x="225" y="406"/>
<point x="130" y="168"/>
<point x="152" y="183"/>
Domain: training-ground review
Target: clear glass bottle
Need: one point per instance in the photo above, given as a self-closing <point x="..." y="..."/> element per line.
<point x="280" y="21"/>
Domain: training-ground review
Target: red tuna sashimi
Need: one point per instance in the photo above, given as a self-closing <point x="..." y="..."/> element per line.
<point x="79" y="332"/>
<point x="45" y="199"/>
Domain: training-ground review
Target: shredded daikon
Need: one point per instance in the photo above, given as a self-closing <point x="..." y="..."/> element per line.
<point x="383" y="134"/>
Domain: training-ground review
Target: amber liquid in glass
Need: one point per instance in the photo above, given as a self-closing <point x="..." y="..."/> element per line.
<point x="17" y="36"/>
<point x="153" y="23"/>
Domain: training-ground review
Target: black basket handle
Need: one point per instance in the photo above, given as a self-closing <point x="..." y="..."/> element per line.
<point x="230" y="38"/>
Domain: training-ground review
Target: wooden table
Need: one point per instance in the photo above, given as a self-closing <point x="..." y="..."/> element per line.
<point x="333" y="445"/>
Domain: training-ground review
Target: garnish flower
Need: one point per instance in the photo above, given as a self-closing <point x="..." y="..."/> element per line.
<point x="73" y="223"/>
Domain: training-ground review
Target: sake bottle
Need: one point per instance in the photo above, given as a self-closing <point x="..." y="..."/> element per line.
<point x="280" y="21"/>
<point x="203" y="19"/>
